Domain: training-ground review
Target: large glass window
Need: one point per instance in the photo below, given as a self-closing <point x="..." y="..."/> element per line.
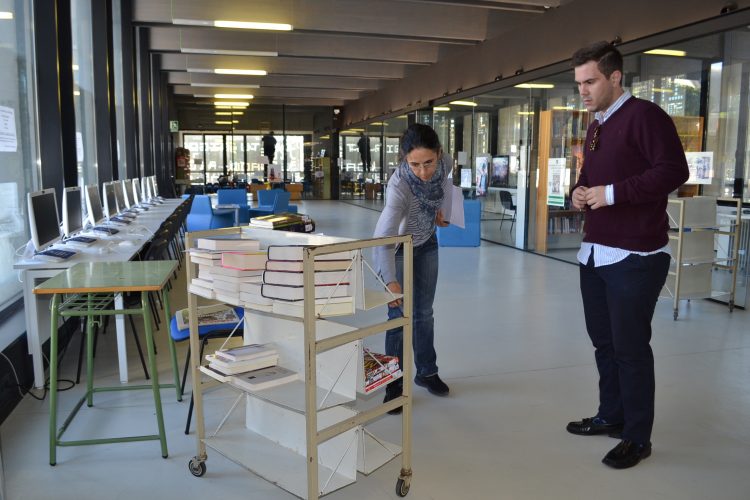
<point x="194" y="143"/>
<point x="83" y="91"/>
<point x="214" y="157"/>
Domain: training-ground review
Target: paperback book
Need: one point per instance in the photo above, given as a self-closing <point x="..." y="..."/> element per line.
<point x="217" y="314"/>
<point x="228" y="243"/>
<point x="335" y="306"/>
<point x="245" y="352"/>
<point x="235" y="367"/>
<point x="296" y="265"/>
<point x="244" y="260"/>
<point x="295" y="252"/>
<point x="297" y="278"/>
<point x="264" y="379"/>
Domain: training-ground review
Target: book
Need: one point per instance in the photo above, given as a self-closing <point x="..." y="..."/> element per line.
<point x="204" y="261"/>
<point x="379" y="369"/>
<point x="227" y="286"/>
<point x="228" y="243"/>
<point x="296" y="265"/>
<point x="252" y="286"/>
<point x="296" y="278"/>
<point x="205" y="254"/>
<point x="295" y="252"/>
<point x="265" y="378"/>
<point x="335" y="306"/>
<point x="255" y="298"/>
<point x="203" y="283"/>
<point x="274" y="221"/>
<point x="227" y="297"/>
<point x="244" y="260"/>
<point x="284" y="292"/>
<point x="199" y="290"/>
<point x="216" y="314"/>
<point x="246" y="352"/>
<point x="204" y="273"/>
<point x="235" y="367"/>
<point x="228" y="272"/>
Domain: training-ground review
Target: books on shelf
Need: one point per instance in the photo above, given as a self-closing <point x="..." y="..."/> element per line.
<point x="228" y="297"/>
<point x="203" y="283"/>
<point x="216" y="314"/>
<point x="236" y="367"/>
<point x="197" y="289"/>
<point x="252" y="285"/>
<point x="265" y="378"/>
<point x="296" y="278"/>
<point x="335" y="306"/>
<point x="284" y="292"/>
<point x="205" y="254"/>
<point x="228" y="272"/>
<point x="379" y="369"/>
<point x="247" y="351"/>
<point x="320" y="265"/>
<point x="295" y="252"/>
<point x="228" y="243"/>
<point x="244" y="260"/>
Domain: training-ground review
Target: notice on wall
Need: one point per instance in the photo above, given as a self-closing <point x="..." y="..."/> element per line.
<point x="701" y="166"/>
<point x="8" y="138"/>
<point x="555" y="182"/>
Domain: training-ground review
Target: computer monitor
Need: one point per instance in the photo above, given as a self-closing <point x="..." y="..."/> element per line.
<point x="122" y="202"/>
<point x="110" y="199"/>
<point x="72" y="213"/>
<point x="45" y="229"/>
<point x="94" y="205"/>
<point x="155" y="186"/>
<point x="147" y="195"/>
<point x="138" y="196"/>
<point x="500" y="171"/>
<point x="128" y="184"/>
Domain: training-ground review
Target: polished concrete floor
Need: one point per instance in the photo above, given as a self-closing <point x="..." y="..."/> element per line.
<point x="512" y="346"/>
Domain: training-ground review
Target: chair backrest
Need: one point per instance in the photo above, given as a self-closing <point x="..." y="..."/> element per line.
<point x="506" y="199"/>
<point x="233" y="196"/>
<point x="266" y="196"/>
<point x="281" y="204"/>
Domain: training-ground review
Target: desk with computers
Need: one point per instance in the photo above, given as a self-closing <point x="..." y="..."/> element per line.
<point x="114" y="227"/>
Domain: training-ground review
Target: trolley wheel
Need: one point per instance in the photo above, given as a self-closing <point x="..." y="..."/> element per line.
<point x="197" y="467"/>
<point x="675" y="314"/>
<point x="731" y="306"/>
<point x="402" y="487"/>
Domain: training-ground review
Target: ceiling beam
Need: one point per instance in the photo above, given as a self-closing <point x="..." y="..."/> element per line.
<point x="493" y="5"/>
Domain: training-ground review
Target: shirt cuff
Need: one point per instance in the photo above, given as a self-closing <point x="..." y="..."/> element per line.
<point x="609" y="194"/>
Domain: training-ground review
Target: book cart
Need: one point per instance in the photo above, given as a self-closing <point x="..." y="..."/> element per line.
<point x="701" y="245"/>
<point x="303" y="436"/>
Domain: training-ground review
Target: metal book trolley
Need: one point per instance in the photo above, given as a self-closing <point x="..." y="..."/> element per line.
<point x="306" y="436"/>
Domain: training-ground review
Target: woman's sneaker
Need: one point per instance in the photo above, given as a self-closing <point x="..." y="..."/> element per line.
<point x="433" y="384"/>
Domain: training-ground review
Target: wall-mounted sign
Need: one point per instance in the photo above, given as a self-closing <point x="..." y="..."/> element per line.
<point x="174" y="126"/>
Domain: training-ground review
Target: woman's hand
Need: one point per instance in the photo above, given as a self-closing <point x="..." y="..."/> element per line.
<point x="394" y="287"/>
<point x="439" y="219"/>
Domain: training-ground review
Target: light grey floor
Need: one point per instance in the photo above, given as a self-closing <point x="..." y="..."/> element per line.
<point x="512" y="346"/>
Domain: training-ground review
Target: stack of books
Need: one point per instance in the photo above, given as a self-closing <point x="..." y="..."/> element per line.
<point x="243" y="359"/>
<point x="379" y="370"/>
<point x="283" y="282"/>
<point x="299" y="223"/>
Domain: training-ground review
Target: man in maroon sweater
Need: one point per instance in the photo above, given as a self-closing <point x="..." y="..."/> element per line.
<point x="633" y="159"/>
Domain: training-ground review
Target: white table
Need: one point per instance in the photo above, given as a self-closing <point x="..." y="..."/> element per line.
<point x="109" y="249"/>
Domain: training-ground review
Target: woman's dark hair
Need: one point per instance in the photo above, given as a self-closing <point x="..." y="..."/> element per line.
<point x="608" y="58"/>
<point x="417" y="136"/>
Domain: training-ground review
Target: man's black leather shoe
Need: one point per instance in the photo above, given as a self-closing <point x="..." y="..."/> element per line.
<point x="432" y="384"/>
<point x="392" y="391"/>
<point x="593" y="426"/>
<point x="626" y="454"/>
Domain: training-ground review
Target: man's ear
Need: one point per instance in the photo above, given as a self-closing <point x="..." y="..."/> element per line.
<point x="616" y="77"/>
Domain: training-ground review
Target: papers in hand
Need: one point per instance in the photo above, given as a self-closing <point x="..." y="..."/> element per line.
<point x="453" y="206"/>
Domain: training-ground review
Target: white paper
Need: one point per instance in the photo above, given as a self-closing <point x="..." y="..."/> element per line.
<point x="79" y="147"/>
<point x="463" y="158"/>
<point x="555" y="182"/>
<point x="453" y="206"/>
<point x="701" y="166"/>
<point x="8" y="140"/>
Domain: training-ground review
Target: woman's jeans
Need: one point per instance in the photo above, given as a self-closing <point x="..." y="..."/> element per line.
<point x="425" y="274"/>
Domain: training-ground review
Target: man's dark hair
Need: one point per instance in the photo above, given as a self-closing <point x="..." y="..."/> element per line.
<point x="417" y="136"/>
<point x="608" y="58"/>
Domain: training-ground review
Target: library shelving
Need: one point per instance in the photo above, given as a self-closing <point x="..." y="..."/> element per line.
<point x="307" y="436"/>
<point x="700" y="246"/>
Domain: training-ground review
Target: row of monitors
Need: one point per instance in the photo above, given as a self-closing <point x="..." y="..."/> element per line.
<point x="117" y="196"/>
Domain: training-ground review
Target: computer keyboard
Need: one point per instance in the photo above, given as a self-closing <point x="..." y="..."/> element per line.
<point x="80" y="241"/>
<point x="120" y="220"/>
<point x="105" y="230"/>
<point x="54" y="254"/>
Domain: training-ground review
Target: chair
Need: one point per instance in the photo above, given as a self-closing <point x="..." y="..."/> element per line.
<point x="205" y="333"/>
<point x="202" y="217"/>
<point x="506" y="200"/>
<point x="235" y="197"/>
<point x="266" y="199"/>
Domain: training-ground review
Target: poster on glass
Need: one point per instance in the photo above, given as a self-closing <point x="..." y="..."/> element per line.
<point x="556" y="182"/>
<point x="481" y="175"/>
<point x="701" y="166"/>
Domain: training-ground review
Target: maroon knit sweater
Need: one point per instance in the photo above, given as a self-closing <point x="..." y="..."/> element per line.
<point x="640" y="154"/>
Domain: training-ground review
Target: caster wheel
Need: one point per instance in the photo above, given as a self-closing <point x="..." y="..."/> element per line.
<point x="675" y="315"/>
<point x="402" y="487"/>
<point x="197" y="468"/>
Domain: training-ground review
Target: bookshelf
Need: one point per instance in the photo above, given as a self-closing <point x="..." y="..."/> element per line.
<point x="698" y="243"/>
<point x="307" y="436"/>
<point x="561" y="135"/>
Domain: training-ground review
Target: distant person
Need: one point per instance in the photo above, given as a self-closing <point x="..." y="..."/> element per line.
<point x="633" y="159"/>
<point x="363" y="144"/>
<point x="415" y="194"/>
<point x="269" y="146"/>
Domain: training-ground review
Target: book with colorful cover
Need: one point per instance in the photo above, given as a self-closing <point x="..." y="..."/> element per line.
<point x="379" y="369"/>
<point x="217" y="314"/>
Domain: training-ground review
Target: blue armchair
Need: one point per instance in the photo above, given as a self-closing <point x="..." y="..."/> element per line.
<point x="279" y="205"/>
<point x="202" y="217"/>
<point x="235" y="197"/>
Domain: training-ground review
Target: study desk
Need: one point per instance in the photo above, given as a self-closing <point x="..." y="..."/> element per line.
<point x="107" y="249"/>
<point x="87" y="290"/>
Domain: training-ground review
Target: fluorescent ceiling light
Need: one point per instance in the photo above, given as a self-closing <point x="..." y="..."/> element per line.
<point x="232" y="85"/>
<point x="234" y="96"/>
<point x="228" y="71"/>
<point x="464" y="103"/>
<point x="232" y="103"/>
<point x="525" y="113"/>
<point x="663" y="91"/>
<point x="223" y="122"/>
<point x="223" y="113"/>
<point x="666" y="52"/>
<point x="6" y="15"/>
<point x="248" y="25"/>
<point x="355" y="130"/>
<point x="562" y="108"/>
<point x="325" y="136"/>
<point x="441" y="108"/>
<point x="230" y="107"/>
<point x="225" y="52"/>
<point x="377" y="124"/>
<point x="536" y="86"/>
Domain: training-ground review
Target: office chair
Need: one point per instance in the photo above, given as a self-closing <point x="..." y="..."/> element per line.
<point x="506" y="200"/>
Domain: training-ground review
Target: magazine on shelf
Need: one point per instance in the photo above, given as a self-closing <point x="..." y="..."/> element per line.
<point x="296" y="278"/>
<point x="245" y="352"/>
<point x="228" y="243"/>
<point x="295" y="266"/>
<point x="264" y="379"/>
<point x="244" y="260"/>
<point x="298" y="292"/>
<point x="295" y="252"/>
<point x="379" y="369"/>
<point x="216" y="314"/>
<point x="236" y="367"/>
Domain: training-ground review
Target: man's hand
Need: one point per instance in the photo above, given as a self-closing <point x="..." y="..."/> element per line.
<point x="578" y="197"/>
<point x="596" y="197"/>
<point x="394" y="287"/>
<point x="439" y="219"/>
